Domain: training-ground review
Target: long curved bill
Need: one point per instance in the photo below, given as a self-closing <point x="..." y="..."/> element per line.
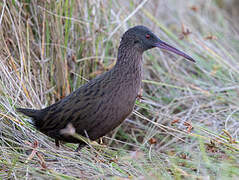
<point x="164" y="45"/>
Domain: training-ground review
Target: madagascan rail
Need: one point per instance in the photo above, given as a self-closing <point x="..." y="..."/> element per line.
<point x="103" y="103"/>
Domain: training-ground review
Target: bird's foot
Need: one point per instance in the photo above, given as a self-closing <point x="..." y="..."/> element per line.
<point x="79" y="147"/>
<point x="140" y="95"/>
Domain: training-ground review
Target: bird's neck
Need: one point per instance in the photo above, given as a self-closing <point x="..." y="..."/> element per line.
<point x="127" y="74"/>
<point x="129" y="60"/>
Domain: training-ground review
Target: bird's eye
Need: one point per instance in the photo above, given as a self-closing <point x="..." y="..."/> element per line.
<point x="147" y="36"/>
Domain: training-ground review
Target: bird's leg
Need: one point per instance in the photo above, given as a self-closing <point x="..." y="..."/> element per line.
<point x="101" y="141"/>
<point x="57" y="143"/>
<point x="140" y="94"/>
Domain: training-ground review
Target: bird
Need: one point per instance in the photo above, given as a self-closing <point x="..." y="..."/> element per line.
<point x="103" y="103"/>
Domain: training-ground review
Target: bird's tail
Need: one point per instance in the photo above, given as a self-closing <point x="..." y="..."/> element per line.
<point x="28" y="112"/>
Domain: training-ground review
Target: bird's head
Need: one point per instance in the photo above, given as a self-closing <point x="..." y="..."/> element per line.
<point x="142" y="39"/>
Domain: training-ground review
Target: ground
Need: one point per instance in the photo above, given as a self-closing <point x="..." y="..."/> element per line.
<point x="185" y="125"/>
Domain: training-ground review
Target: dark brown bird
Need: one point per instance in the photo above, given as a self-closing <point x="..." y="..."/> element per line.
<point x="103" y="103"/>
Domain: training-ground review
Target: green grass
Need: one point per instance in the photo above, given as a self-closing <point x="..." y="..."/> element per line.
<point x="185" y="127"/>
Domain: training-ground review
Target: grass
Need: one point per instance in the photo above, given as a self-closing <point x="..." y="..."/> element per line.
<point x="185" y="127"/>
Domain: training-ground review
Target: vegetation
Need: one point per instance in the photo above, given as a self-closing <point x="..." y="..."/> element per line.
<point x="186" y="126"/>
